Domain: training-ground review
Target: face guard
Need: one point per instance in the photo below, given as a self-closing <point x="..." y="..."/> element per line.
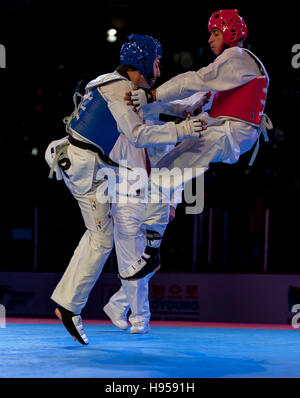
<point x="141" y="52"/>
<point x="231" y="25"/>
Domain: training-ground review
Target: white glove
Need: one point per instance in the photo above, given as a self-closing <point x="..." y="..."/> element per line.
<point x="190" y="128"/>
<point x="140" y="97"/>
<point x="198" y="104"/>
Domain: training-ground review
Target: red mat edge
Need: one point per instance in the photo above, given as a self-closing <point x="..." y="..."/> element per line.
<point x="48" y="321"/>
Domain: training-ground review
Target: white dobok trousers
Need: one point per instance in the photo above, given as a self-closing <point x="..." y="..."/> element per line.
<point x="130" y="244"/>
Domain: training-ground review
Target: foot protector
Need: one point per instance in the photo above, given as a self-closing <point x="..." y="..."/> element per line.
<point x="149" y="262"/>
<point x="73" y="324"/>
<point x="118" y="320"/>
<point x="153" y="238"/>
<point x="139" y="328"/>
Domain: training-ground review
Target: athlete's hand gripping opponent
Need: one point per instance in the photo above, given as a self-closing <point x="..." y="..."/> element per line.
<point x="190" y="128"/>
<point x="139" y="97"/>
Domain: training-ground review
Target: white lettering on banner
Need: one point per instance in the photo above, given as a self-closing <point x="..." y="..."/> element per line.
<point x="2" y="56"/>
<point x="162" y="182"/>
<point x="174" y="299"/>
<point x="198" y="198"/>
<point x="123" y="388"/>
<point x="106" y="192"/>
<point x="2" y="316"/>
<point x="140" y="177"/>
<point x="116" y="186"/>
<point x="170" y="387"/>
<point x="296" y="58"/>
<point x="175" y="306"/>
<point x="295" y="319"/>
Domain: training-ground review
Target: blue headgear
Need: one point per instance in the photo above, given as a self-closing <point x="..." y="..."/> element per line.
<point x="141" y="52"/>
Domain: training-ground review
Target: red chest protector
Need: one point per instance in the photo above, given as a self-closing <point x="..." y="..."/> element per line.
<point x="246" y="102"/>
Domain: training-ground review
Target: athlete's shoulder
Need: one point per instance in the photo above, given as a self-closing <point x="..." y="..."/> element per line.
<point x="233" y="52"/>
<point x="121" y="85"/>
<point x="105" y="79"/>
<point x="115" y="88"/>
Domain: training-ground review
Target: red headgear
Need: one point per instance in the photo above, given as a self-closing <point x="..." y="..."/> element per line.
<point x="231" y="24"/>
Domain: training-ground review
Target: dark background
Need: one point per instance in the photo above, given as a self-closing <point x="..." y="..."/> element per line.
<point x="54" y="48"/>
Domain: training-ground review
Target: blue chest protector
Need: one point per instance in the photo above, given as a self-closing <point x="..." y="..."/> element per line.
<point x="96" y="123"/>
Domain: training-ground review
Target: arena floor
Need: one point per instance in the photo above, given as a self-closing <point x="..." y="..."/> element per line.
<point x="42" y="348"/>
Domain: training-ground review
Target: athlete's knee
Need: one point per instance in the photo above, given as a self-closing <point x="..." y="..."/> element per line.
<point x="100" y="240"/>
<point x="128" y="219"/>
<point x="130" y="230"/>
<point x="128" y="226"/>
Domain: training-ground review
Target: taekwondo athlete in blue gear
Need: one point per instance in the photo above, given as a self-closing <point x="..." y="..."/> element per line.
<point x="78" y="158"/>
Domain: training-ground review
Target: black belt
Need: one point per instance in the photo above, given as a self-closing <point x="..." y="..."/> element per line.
<point x="93" y="148"/>
<point x="164" y="117"/>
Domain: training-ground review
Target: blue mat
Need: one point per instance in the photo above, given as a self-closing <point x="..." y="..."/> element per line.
<point x="47" y="351"/>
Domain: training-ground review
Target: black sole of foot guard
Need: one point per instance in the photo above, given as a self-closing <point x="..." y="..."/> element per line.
<point x="66" y="318"/>
<point x="153" y="264"/>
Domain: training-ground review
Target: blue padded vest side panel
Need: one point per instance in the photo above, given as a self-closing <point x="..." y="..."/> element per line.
<point x="96" y="123"/>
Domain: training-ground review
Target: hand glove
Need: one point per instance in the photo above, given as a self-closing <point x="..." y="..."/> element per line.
<point x="140" y="97"/>
<point x="196" y="108"/>
<point x="190" y="128"/>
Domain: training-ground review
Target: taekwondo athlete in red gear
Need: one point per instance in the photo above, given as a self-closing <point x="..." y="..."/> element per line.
<point x="239" y="82"/>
